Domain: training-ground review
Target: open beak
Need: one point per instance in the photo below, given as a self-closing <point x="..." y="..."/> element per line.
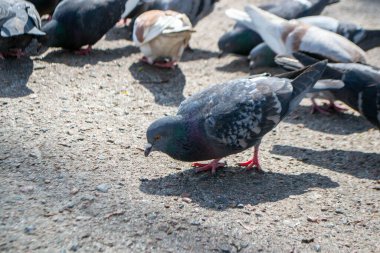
<point x="148" y="149"/>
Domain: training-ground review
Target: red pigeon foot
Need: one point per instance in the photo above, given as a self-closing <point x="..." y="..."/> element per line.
<point x="213" y="166"/>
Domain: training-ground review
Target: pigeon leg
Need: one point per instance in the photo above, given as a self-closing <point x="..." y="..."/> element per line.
<point x="84" y="51"/>
<point x="122" y="22"/>
<point x="213" y="165"/>
<point x="254" y="161"/>
<point x="316" y="108"/>
<point x="335" y="108"/>
<point x="15" y="52"/>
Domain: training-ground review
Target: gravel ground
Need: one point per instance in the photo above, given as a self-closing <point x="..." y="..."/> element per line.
<point x="74" y="177"/>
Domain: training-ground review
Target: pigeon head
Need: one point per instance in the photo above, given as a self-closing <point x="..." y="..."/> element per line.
<point x="167" y="135"/>
<point x="261" y="56"/>
<point x="54" y="32"/>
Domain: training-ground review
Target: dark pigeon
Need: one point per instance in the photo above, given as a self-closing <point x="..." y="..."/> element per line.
<point x="360" y="87"/>
<point x="45" y="6"/>
<point x="230" y="117"/>
<point x="76" y="23"/>
<point x="261" y="56"/>
<point x="19" y="24"/>
<point x="240" y="40"/>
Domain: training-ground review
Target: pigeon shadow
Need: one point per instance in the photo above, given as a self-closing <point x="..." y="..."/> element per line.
<point x="14" y="76"/>
<point x="242" y="64"/>
<point x="336" y="123"/>
<point x="119" y="33"/>
<point x="355" y="163"/>
<point x="239" y="64"/>
<point x="71" y="59"/>
<point x="233" y="186"/>
<point x="198" y="54"/>
<point x="166" y="85"/>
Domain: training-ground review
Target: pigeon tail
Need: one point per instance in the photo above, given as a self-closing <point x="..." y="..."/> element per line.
<point x="333" y="2"/>
<point x="240" y="17"/>
<point x="371" y="40"/>
<point x="130" y="5"/>
<point x="329" y="73"/>
<point x="305" y="81"/>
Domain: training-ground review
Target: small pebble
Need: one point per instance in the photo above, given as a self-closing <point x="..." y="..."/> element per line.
<point x="317" y="248"/>
<point x="187" y="200"/>
<point x="30" y="229"/>
<point x="103" y="188"/>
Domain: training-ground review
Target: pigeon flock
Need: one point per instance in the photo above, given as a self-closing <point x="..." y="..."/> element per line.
<point x="324" y="58"/>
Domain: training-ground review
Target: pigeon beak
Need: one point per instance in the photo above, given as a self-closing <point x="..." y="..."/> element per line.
<point x="148" y="149"/>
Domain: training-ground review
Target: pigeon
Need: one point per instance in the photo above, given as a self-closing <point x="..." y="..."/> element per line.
<point x="194" y="9"/>
<point x="285" y="37"/>
<point x="162" y="36"/>
<point x="76" y="23"/>
<point x="230" y="117"/>
<point x="45" y="6"/>
<point x="19" y="24"/>
<point x="357" y="85"/>
<point x="241" y="39"/>
<point x="261" y="56"/>
<point x="364" y="38"/>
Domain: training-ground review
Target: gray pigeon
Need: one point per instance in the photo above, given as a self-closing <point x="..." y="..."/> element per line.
<point x="195" y="10"/>
<point x="230" y="117"/>
<point x="359" y="85"/>
<point x="263" y="56"/>
<point x="366" y="39"/>
<point x="19" y="24"/>
<point x="285" y="37"/>
<point x="241" y="39"/>
<point x="76" y="23"/>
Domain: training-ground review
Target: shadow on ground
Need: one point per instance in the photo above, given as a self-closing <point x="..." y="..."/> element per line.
<point x="14" y="76"/>
<point x="119" y="33"/>
<point x="198" y="54"/>
<point x="336" y="123"/>
<point x="355" y="163"/>
<point x="233" y="186"/>
<point x="165" y="84"/>
<point x="71" y="59"/>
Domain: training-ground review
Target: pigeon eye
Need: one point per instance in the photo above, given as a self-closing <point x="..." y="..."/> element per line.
<point x="157" y="137"/>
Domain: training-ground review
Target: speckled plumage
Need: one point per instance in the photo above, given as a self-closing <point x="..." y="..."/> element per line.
<point x="230" y="117"/>
<point x="19" y="23"/>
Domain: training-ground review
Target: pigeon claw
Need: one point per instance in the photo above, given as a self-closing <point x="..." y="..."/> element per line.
<point x="84" y="51"/>
<point x="336" y="108"/>
<point x="250" y="164"/>
<point x="213" y="166"/>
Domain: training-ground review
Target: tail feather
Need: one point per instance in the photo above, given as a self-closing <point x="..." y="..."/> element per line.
<point x="305" y="81"/>
<point x="240" y="17"/>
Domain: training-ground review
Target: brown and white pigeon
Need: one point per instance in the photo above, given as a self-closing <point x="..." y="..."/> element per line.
<point x="162" y="36"/>
<point x="285" y="37"/>
<point x="230" y="117"/>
